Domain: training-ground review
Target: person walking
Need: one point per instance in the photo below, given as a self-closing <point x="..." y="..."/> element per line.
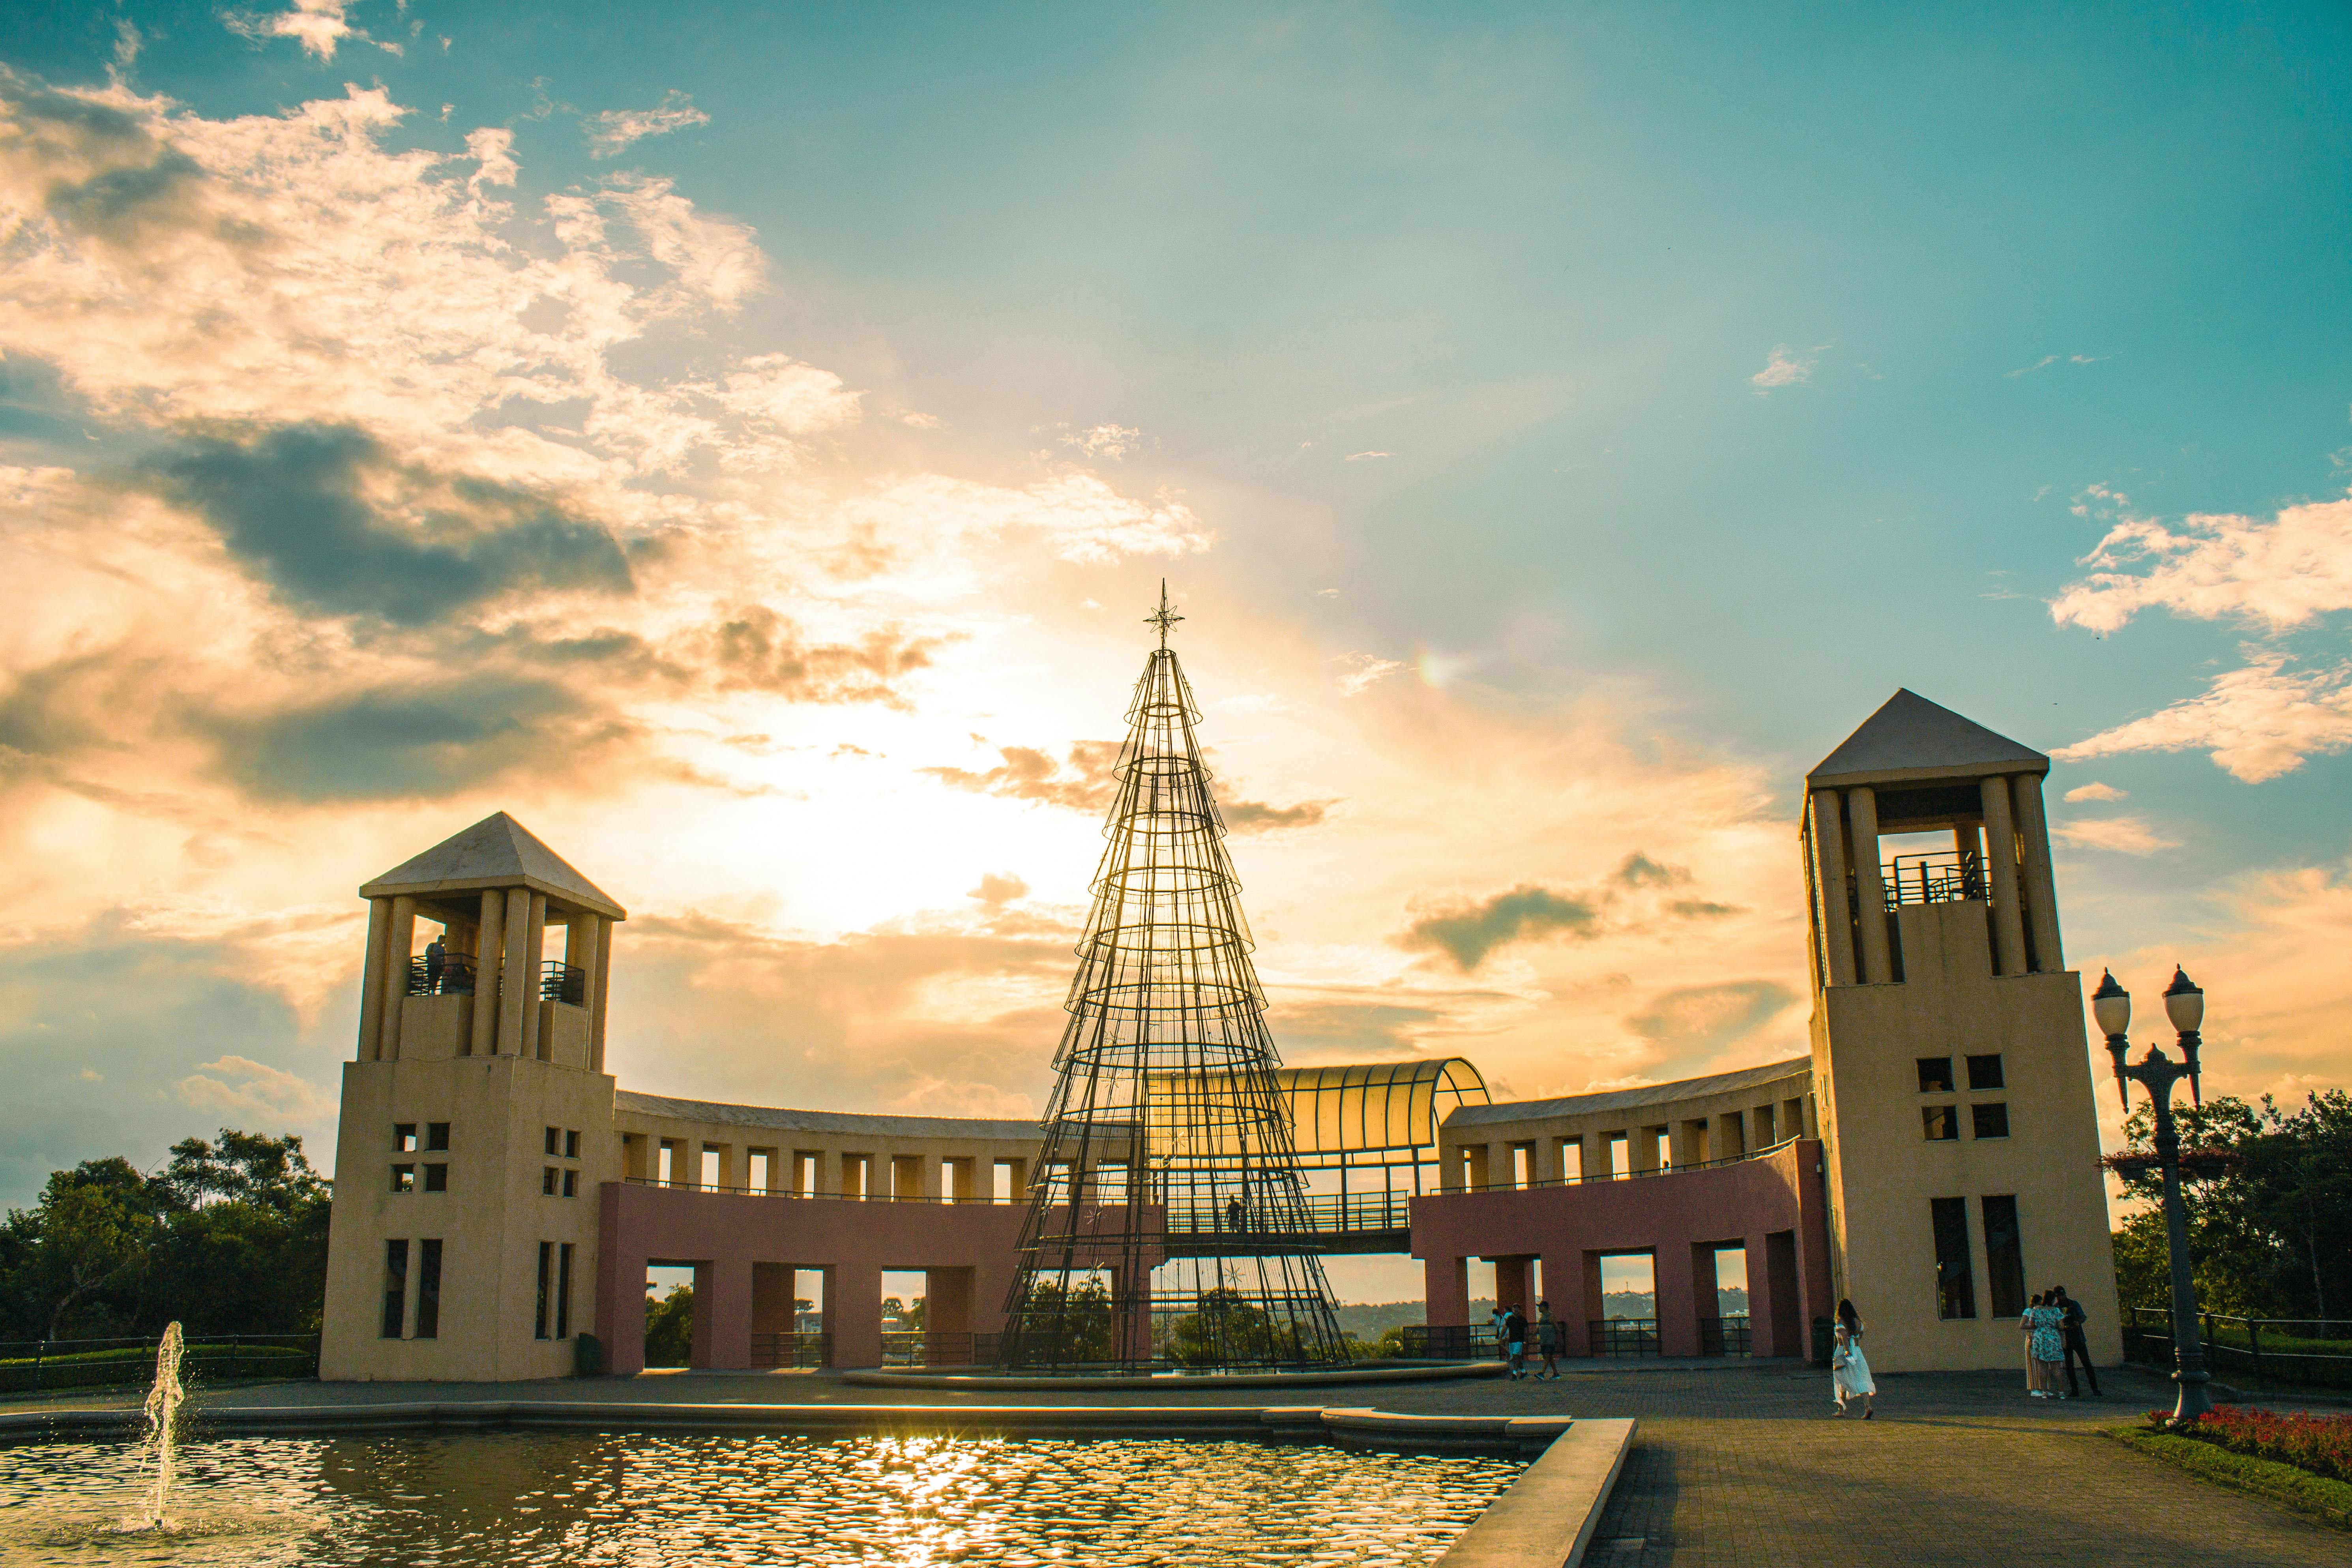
<point x="1551" y="1338"/>
<point x="2045" y="1342"/>
<point x="2078" y="1347"/>
<point x="1848" y="1368"/>
<point x="1497" y="1324"/>
<point x="1515" y="1336"/>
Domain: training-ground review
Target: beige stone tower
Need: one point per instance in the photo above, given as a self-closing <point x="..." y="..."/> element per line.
<point x="1949" y="1058"/>
<point x="477" y="1119"/>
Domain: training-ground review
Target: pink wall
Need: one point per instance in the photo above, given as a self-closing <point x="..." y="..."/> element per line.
<point x="722" y="1234"/>
<point x="1772" y="1205"/>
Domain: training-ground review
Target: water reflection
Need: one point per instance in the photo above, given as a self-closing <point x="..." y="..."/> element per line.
<point x="525" y="1498"/>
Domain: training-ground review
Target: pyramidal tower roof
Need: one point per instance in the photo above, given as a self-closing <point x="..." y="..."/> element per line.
<point x="496" y="852"/>
<point x="1911" y="739"/>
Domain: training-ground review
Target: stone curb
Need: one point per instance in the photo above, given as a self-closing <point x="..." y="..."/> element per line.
<point x="874" y="1377"/>
<point x="1546" y="1518"/>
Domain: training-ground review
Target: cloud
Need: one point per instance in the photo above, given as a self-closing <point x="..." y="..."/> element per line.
<point x="1256" y="817"/>
<point x="2048" y="360"/>
<point x="613" y="132"/>
<point x="758" y="649"/>
<point x="1367" y="456"/>
<point x="2278" y="573"/>
<point x="1112" y="441"/>
<point x="1086" y="782"/>
<point x="429" y="741"/>
<point x="998" y="889"/>
<point x="1784" y="366"/>
<point x="1468" y="932"/>
<point x="2123" y="835"/>
<point x="267" y="1096"/>
<point x="1640" y="871"/>
<point x="2094" y="791"/>
<point x="1359" y="671"/>
<point x="1695" y="1024"/>
<point x="2257" y="722"/>
<point x="317" y="25"/>
<point x="333" y="520"/>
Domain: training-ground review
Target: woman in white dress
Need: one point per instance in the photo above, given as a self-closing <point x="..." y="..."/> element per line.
<point x="1848" y="1368"/>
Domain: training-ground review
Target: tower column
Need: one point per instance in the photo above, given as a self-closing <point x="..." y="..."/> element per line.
<point x="487" y="938"/>
<point x="1829" y="872"/>
<point x="599" y="984"/>
<point x="2000" y="871"/>
<point x="397" y="942"/>
<point x="534" y="942"/>
<point x="514" y="983"/>
<point x="379" y="949"/>
<point x="2041" y="884"/>
<point x="1869" y="887"/>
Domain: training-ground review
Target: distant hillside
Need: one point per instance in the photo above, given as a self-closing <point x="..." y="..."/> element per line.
<point x="1369" y="1319"/>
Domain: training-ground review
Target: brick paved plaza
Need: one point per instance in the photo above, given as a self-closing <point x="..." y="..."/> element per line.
<point x="1735" y="1464"/>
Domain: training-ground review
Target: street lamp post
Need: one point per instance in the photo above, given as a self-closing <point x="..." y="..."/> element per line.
<point x="2184" y="1005"/>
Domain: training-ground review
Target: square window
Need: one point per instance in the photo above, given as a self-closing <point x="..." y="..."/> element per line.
<point x="437" y="1178"/>
<point x="436" y="1137"/>
<point x="1935" y="1075"/>
<point x="1942" y="1122"/>
<point x="403" y="1178"/>
<point x="572" y="1145"/>
<point x="403" y="1137"/>
<point x="1989" y="1120"/>
<point x="552" y="1135"/>
<point x="570" y="1184"/>
<point x="547" y="1181"/>
<point x="1984" y="1072"/>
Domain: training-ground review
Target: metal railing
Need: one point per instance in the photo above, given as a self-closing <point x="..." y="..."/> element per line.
<point x="561" y="982"/>
<point x="687" y="1186"/>
<point x="2300" y="1353"/>
<point x="1448" y="1341"/>
<point x="1944" y="878"/>
<point x="791" y="1349"/>
<point x="32" y="1366"/>
<point x="1624" y="1336"/>
<point x="1617" y="1176"/>
<point x="1725" y="1337"/>
<point x="937" y="1347"/>
<point x="454" y="977"/>
<point x="1324" y="1211"/>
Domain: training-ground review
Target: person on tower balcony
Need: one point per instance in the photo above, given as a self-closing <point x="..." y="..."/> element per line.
<point x="2078" y="1347"/>
<point x="437" y="958"/>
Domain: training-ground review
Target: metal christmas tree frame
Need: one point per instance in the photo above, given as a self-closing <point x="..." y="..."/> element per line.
<point x="1168" y="1221"/>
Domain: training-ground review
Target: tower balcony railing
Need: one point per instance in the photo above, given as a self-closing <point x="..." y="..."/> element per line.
<point x="452" y="976"/>
<point x="560" y="982"/>
<point x="1945" y="878"/>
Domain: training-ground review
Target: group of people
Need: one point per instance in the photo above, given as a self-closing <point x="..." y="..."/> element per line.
<point x="1512" y="1334"/>
<point x="2053" y="1326"/>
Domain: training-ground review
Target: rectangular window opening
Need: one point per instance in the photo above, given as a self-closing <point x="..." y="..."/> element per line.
<point x="436" y="1137"/>
<point x="711" y="1170"/>
<point x="755" y="1170"/>
<point x="1571" y="1159"/>
<point x="1935" y="1075"/>
<point x="1942" y="1122"/>
<point x="564" y="1292"/>
<point x="1989" y="1120"/>
<point x="554" y="1138"/>
<point x="806" y="1165"/>
<point x="2004" y="1255"/>
<point x="546" y="1279"/>
<point x="1005" y="1181"/>
<point x="1523" y="1165"/>
<point x="1984" y="1072"/>
<point x="403" y="1178"/>
<point x="547" y="1181"/>
<point x="571" y="1185"/>
<point x="428" y="1289"/>
<point x="395" y="1288"/>
<point x="1956" y="1293"/>
<point x="572" y="1145"/>
<point x="437" y="1178"/>
<point x="403" y="1137"/>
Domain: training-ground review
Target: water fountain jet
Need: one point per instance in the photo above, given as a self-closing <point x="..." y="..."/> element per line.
<point x="163" y="1402"/>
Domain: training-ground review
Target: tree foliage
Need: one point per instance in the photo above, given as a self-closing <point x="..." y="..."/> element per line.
<point x="229" y="1237"/>
<point x="2270" y="1231"/>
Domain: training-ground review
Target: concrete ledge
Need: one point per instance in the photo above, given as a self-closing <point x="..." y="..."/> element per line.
<point x="1364" y="1428"/>
<point x="984" y="1382"/>
<point x="1546" y="1518"/>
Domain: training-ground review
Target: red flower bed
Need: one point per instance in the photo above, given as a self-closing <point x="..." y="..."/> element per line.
<point x="2320" y="1444"/>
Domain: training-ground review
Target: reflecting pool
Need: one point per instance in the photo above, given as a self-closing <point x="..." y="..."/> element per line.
<point x="560" y="1498"/>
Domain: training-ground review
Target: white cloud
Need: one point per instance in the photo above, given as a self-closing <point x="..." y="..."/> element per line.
<point x="1112" y="441"/>
<point x="613" y="132"/>
<point x="2081" y="793"/>
<point x="2281" y="572"/>
<point x="2048" y="360"/>
<point x="1357" y="671"/>
<point x="317" y="25"/>
<point x="267" y="1095"/>
<point x="2123" y="835"/>
<point x="494" y="149"/>
<point x="2257" y="722"/>
<point x="1367" y="456"/>
<point x="1784" y="366"/>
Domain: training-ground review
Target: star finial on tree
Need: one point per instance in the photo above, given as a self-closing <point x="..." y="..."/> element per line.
<point x="1165" y="616"/>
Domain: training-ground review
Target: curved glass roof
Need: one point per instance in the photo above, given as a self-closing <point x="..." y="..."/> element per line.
<point x="1367" y="1107"/>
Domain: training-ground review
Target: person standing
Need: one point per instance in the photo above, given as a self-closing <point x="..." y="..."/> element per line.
<point x="2045" y="1344"/>
<point x="1848" y="1368"/>
<point x="1551" y="1338"/>
<point x="1497" y="1322"/>
<point x="2078" y="1347"/>
<point x="1515" y="1336"/>
<point x="437" y="958"/>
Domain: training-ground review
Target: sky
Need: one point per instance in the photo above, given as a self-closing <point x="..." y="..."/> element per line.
<point x="743" y="444"/>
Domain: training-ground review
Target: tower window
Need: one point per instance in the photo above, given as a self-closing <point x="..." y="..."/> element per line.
<point x="437" y="1178"/>
<point x="1984" y="1072"/>
<point x="564" y="1292"/>
<point x="546" y="1278"/>
<point x="547" y="1181"/>
<point x="1935" y="1075"/>
<point x="403" y="1178"/>
<point x="395" y="1288"/>
<point x="1942" y="1122"/>
<point x="428" y="1289"/>
<point x="572" y="1145"/>
<point x="571" y="1190"/>
<point x="554" y="1137"/>
<point x="1956" y="1291"/>
<point x="403" y="1137"/>
<point x="1989" y="1120"/>
<point x="2004" y="1256"/>
<point x="436" y="1137"/>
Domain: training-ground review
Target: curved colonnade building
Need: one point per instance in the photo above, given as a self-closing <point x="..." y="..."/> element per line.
<point x="1935" y="1157"/>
